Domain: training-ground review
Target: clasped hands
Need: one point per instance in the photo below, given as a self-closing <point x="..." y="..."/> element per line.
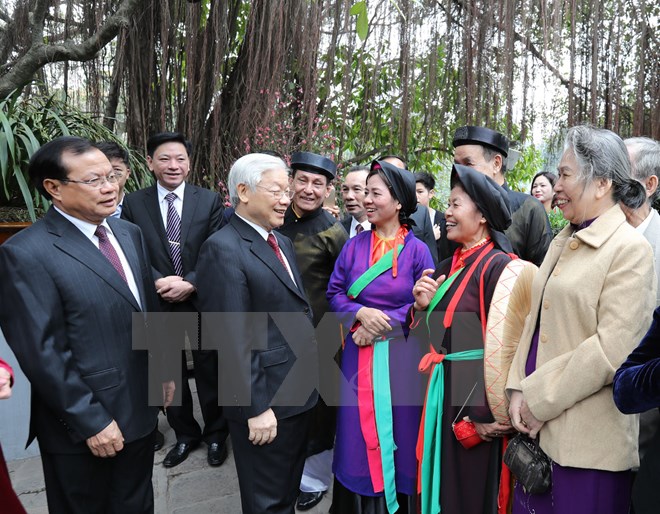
<point x="374" y="323"/>
<point x="174" y="288"/>
<point x="521" y="416"/>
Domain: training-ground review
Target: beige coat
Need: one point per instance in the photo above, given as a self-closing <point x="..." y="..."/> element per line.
<point x="596" y="301"/>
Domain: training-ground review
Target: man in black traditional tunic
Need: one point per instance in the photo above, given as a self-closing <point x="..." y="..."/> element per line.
<point x="317" y="238"/>
<point x="486" y="151"/>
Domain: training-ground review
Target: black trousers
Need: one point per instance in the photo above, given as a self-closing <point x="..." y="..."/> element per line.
<point x="80" y="483"/>
<point x="269" y="475"/>
<point x="181" y="418"/>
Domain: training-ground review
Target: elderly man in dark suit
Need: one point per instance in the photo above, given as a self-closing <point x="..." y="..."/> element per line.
<point x="176" y="218"/>
<point x="247" y="270"/>
<point x="73" y="282"/>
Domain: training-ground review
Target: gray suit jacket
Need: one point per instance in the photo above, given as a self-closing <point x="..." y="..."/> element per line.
<point x="67" y="315"/>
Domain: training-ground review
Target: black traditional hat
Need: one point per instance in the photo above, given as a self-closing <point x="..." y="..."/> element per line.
<point x="470" y="135"/>
<point x="403" y="185"/>
<point x="314" y="163"/>
<point x="490" y="198"/>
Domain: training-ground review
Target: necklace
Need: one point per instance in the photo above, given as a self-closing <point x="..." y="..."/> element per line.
<point x="476" y="245"/>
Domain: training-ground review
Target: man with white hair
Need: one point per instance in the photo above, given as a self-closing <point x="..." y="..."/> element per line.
<point x="248" y="271"/>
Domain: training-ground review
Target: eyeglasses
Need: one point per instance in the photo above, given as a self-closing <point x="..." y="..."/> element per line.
<point x="277" y="194"/>
<point x="97" y="182"/>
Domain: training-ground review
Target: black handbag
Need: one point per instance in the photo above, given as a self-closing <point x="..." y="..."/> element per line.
<point x="529" y="464"/>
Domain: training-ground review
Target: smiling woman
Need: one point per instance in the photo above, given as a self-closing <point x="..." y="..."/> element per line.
<point x="371" y="286"/>
<point x="476" y="217"/>
<point x="597" y="273"/>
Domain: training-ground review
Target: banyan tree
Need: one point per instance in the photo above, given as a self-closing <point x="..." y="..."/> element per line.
<point x="351" y="79"/>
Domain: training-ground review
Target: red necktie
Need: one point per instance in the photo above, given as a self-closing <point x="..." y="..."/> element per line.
<point x="109" y="251"/>
<point x="358" y="228"/>
<point x="276" y="248"/>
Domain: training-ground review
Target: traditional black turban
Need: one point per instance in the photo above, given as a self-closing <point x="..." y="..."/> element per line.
<point x="470" y="135"/>
<point x="314" y="163"/>
<point x="491" y="200"/>
<point x="403" y="185"/>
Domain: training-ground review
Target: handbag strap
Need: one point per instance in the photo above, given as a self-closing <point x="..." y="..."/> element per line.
<point x="464" y="404"/>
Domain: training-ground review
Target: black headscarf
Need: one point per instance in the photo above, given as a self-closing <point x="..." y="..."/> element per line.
<point x="402" y="183"/>
<point x="491" y="200"/>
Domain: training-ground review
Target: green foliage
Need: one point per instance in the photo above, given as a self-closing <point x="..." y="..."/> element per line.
<point x="359" y="9"/>
<point x="26" y="124"/>
<point x="557" y="221"/>
<point x="529" y="164"/>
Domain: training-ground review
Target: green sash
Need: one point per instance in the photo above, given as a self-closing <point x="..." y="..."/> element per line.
<point x="383" y="264"/>
<point x="439" y="295"/>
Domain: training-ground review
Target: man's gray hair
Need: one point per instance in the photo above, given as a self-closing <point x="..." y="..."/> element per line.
<point x="248" y="170"/>
<point x="600" y="153"/>
<point x="644" y="155"/>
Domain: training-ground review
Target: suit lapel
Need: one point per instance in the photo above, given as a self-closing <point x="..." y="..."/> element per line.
<point x="72" y="242"/>
<point x="262" y="251"/>
<point x="130" y="252"/>
<point x="188" y="212"/>
<point x="153" y="208"/>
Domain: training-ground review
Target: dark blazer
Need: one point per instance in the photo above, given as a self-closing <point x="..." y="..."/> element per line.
<point x="239" y="256"/>
<point x="346" y="222"/>
<point x="67" y="315"/>
<point x="201" y="217"/>
<point x="423" y="230"/>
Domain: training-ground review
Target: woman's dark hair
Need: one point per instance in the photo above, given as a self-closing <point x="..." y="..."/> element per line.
<point x="600" y="153"/>
<point x="552" y="178"/>
<point x="403" y="218"/>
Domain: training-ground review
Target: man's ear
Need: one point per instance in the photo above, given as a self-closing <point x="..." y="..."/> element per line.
<point x="651" y="185"/>
<point x="53" y="187"/>
<point x="241" y="191"/>
<point x="497" y="163"/>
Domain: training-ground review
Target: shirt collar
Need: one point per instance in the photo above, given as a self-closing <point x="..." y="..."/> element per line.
<point x="162" y="192"/>
<point x="87" y="228"/>
<point x="645" y="224"/>
<point x="260" y="230"/>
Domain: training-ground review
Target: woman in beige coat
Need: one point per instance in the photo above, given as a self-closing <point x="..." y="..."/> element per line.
<point x="592" y="302"/>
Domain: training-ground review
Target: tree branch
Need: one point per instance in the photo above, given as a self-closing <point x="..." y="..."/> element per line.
<point x="40" y="54"/>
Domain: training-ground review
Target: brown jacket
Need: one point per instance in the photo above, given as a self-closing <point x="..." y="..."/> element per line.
<point x="595" y="300"/>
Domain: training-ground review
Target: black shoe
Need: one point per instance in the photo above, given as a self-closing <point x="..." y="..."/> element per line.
<point x="217" y="454"/>
<point x="307" y="500"/>
<point x="178" y="454"/>
<point x="159" y="440"/>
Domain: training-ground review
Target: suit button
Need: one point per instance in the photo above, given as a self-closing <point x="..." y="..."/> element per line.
<point x="306" y="310"/>
<point x="546" y="304"/>
<point x="556" y="272"/>
<point x="574" y="245"/>
<point x="544" y="338"/>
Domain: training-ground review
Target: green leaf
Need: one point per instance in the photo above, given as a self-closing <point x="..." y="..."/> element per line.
<point x="27" y="195"/>
<point x="358" y="8"/>
<point x="363" y="25"/>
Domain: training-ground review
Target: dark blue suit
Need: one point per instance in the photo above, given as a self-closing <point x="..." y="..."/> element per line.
<point x="67" y="315"/>
<point x="201" y="216"/>
<point x="240" y="274"/>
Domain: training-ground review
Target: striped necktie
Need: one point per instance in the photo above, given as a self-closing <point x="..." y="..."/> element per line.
<point x="109" y="251"/>
<point x="174" y="234"/>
